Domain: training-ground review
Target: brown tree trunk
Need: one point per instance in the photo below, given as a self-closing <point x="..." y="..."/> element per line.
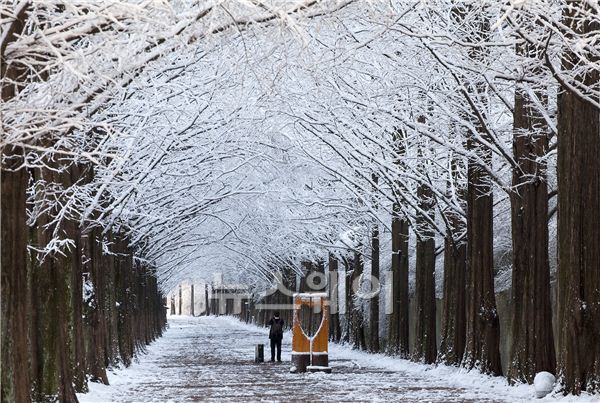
<point x="452" y="343"/>
<point x="63" y="344"/>
<point x="483" y="326"/>
<point x="15" y="380"/>
<point x="334" y="313"/>
<point x="358" y="336"/>
<point x="532" y="337"/>
<point x="579" y="222"/>
<point x="206" y="301"/>
<point x="95" y="318"/>
<point x="124" y="297"/>
<point x="425" y="341"/>
<point x="180" y="304"/>
<point x="348" y="299"/>
<point x="398" y="321"/>
<point x="79" y="365"/>
<point x="57" y="320"/>
<point x="374" y="302"/>
<point x="192" y="299"/>
<point x="16" y="310"/>
<point x="111" y="342"/>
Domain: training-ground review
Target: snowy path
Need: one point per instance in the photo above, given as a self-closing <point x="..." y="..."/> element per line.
<point x="211" y="358"/>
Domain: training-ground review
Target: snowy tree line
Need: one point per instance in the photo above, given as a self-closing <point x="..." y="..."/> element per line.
<point x="254" y="138"/>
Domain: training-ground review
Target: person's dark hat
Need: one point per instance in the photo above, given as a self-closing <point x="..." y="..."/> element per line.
<point x="276" y="314"/>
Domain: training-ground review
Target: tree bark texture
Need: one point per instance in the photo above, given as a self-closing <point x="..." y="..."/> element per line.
<point x="452" y="344"/>
<point x="483" y="326"/>
<point x="357" y="326"/>
<point x="398" y="321"/>
<point x="336" y="330"/>
<point x="425" y="349"/>
<point x="15" y="379"/>
<point x="374" y="301"/>
<point x="578" y="224"/>
<point x="532" y="336"/>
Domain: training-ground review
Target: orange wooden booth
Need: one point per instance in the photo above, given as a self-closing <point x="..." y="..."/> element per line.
<point x="310" y="353"/>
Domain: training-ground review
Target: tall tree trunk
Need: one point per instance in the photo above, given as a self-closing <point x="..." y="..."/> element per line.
<point x="126" y="305"/>
<point x="348" y="299"/>
<point x="54" y="276"/>
<point x="482" y="347"/>
<point x="63" y="344"/>
<point x="452" y="343"/>
<point x="95" y="316"/>
<point x="180" y="302"/>
<point x="425" y="341"/>
<point x="206" y="301"/>
<point x="192" y="312"/>
<point x="579" y="220"/>
<point x="358" y="337"/>
<point x="45" y="274"/>
<point x="398" y="321"/>
<point x="110" y="301"/>
<point x="78" y="354"/>
<point x="15" y="380"/>
<point x="374" y="302"/>
<point x="483" y="326"/>
<point x="532" y="337"/>
<point x="334" y="299"/>
<point x="15" y="299"/>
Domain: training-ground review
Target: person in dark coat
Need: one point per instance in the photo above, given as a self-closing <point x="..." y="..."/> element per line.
<point x="276" y="335"/>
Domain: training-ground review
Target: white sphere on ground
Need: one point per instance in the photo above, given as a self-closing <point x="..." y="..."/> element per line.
<point x="543" y="383"/>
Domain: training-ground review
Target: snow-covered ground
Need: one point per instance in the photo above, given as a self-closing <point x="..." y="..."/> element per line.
<point x="212" y="359"/>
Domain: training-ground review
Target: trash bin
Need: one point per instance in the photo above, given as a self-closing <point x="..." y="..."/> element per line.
<point x="259" y="353"/>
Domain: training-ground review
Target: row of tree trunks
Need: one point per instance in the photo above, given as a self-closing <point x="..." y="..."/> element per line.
<point x="66" y="316"/>
<point x="470" y="323"/>
<point x="578" y="222"/>
<point x="259" y="309"/>
<point x="279" y="298"/>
